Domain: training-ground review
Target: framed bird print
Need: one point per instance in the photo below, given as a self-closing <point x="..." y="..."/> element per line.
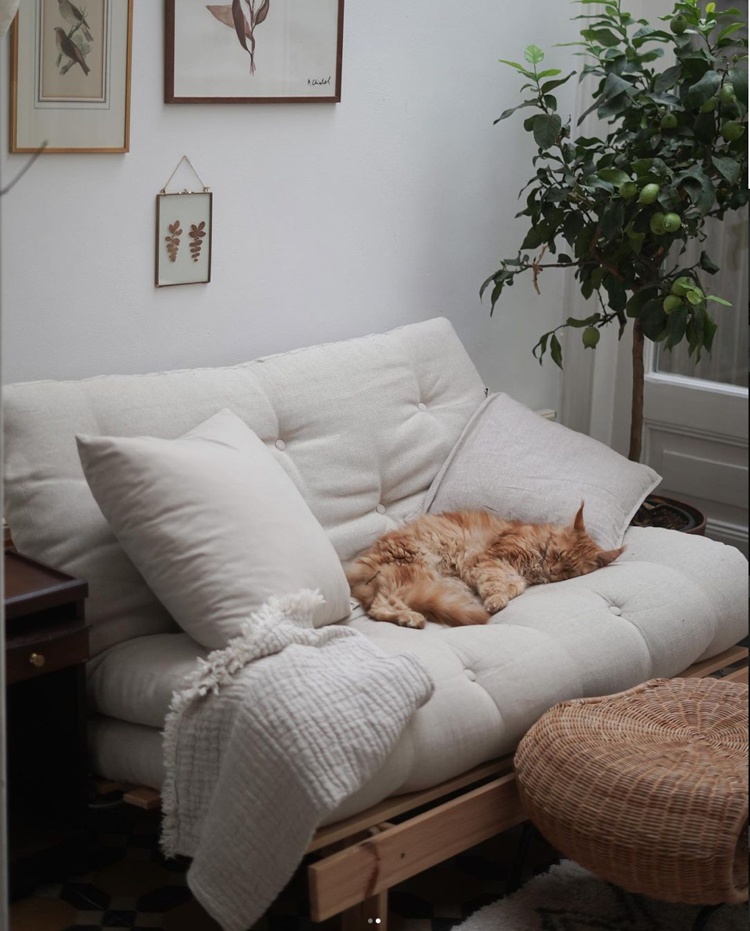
<point x="183" y="238"/>
<point x="70" y="76"/>
<point x="254" y="51"/>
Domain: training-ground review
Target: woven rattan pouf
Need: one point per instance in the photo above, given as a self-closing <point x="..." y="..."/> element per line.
<point x="647" y="789"/>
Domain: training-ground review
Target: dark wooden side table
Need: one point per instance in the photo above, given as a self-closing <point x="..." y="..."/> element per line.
<point x="46" y="649"/>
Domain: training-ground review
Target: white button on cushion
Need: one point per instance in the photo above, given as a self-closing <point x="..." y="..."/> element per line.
<point x="471" y="676"/>
<point x="280" y="445"/>
<point x="423" y="407"/>
<point x="380" y="509"/>
<point x="616" y="611"/>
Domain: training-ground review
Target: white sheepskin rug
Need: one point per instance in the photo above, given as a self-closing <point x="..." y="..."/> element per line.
<point x="569" y="898"/>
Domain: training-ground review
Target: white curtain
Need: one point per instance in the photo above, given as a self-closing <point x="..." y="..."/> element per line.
<point x="7" y="12"/>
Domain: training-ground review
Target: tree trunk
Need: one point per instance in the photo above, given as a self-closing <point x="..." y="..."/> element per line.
<point x="639" y="383"/>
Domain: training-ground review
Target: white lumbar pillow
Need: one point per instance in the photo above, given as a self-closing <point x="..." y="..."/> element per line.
<point x="214" y="524"/>
<point x="520" y="466"/>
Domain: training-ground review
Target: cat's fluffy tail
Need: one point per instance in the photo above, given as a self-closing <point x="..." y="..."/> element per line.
<point x="442" y="604"/>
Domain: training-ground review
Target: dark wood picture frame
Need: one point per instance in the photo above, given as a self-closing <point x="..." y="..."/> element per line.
<point x="158" y="243"/>
<point x="169" y="69"/>
<point x="15" y="148"/>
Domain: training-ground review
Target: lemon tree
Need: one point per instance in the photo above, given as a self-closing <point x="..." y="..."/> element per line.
<point x="621" y="207"/>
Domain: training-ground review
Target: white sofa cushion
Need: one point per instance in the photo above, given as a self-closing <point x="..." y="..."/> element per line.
<point x="520" y="466"/>
<point x="671" y="600"/>
<point x="214" y="524"/>
<point x="361" y="427"/>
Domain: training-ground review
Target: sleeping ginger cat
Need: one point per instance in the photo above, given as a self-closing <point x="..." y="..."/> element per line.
<point x="460" y="569"/>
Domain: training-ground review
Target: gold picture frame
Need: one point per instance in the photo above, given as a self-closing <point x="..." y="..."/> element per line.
<point x="184" y="238"/>
<point x="70" y="80"/>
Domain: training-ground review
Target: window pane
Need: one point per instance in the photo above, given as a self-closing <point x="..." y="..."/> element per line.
<point x="727" y="245"/>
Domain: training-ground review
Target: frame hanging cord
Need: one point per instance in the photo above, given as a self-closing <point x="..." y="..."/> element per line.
<point x="184" y="159"/>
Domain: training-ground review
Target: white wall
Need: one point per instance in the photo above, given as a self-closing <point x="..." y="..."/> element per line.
<point x="330" y="221"/>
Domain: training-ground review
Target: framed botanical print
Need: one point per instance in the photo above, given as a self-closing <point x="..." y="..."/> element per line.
<point x="70" y="76"/>
<point x="254" y="51"/>
<point x="183" y="238"/>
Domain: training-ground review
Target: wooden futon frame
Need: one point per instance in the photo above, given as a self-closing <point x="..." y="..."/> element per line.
<point x="352" y="865"/>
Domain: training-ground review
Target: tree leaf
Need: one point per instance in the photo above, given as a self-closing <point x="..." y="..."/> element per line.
<point x="601" y="36"/>
<point x="556" y="352"/>
<point x="705" y="128"/>
<point x="702" y="193"/>
<point x="614" y="175"/>
<point x="667" y="79"/>
<point x="615" y="85"/>
<point x="536" y="236"/>
<point x="639" y="300"/>
<point x="512" y="110"/>
<point x="708" y="265"/>
<point x="572" y="227"/>
<point x="678" y="323"/>
<point x="582" y="324"/>
<point x="728" y="168"/>
<point x="546" y="129"/>
<point x="551" y="85"/>
<point x="653" y="319"/>
<point x="738" y="77"/>
<point x="649" y="34"/>
<point x="533" y="54"/>
<point x="728" y="30"/>
<point x="703" y="90"/>
<point x="719" y="300"/>
<point x="514" y="64"/>
<point x="612" y="220"/>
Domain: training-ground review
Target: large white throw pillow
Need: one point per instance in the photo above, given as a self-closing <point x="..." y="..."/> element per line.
<point x="520" y="466"/>
<point x="214" y="524"/>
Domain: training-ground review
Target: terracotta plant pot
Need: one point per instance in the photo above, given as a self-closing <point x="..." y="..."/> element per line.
<point x="664" y="510"/>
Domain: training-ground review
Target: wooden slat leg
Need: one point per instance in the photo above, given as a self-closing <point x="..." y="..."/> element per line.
<point x="367" y="916"/>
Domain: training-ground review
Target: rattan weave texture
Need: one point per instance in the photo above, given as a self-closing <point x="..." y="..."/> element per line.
<point x="647" y="789"/>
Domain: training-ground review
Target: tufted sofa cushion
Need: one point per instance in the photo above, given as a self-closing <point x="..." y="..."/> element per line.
<point x="361" y="427"/>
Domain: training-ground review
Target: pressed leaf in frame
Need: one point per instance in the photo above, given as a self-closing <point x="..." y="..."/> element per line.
<point x="223" y="12"/>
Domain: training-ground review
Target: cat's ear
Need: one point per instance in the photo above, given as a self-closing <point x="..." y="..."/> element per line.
<point x="580" y="523"/>
<point x="608" y="557"/>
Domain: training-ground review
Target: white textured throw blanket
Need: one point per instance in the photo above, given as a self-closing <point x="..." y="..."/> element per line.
<point x="270" y="737"/>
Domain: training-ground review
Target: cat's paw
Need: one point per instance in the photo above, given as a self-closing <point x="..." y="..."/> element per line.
<point x="413" y="620"/>
<point x="494" y="604"/>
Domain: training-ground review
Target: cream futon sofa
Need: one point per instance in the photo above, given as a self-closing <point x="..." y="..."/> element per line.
<point x="362" y="427"/>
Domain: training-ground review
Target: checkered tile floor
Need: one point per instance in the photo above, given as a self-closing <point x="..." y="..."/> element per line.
<point x="124" y="882"/>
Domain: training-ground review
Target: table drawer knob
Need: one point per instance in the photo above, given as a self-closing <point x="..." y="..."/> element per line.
<point x="37" y="660"/>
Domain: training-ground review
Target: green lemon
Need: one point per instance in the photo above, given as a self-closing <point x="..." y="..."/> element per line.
<point x="682" y="286"/>
<point x="672" y="222"/>
<point x="628" y="190"/>
<point x="678" y="25"/>
<point x="728" y="95"/>
<point x="658" y="226"/>
<point x="732" y="130"/>
<point x="671" y="303"/>
<point x="591" y="338"/>
<point x="696" y="297"/>
<point x="710" y="105"/>
<point x="649" y="194"/>
<point x="669" y="121"/>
